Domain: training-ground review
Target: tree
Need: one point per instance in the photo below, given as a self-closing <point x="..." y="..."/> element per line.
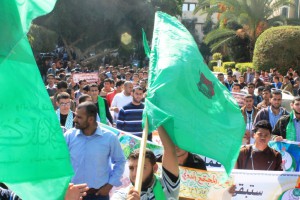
<point x="255" y="16"/>
<point x="96" y="25"/>
<point x="278" y="47"/>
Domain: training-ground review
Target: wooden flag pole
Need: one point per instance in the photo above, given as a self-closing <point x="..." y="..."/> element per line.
<point x="141" y="161"/>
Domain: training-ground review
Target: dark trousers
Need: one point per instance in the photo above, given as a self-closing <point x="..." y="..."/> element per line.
<point x="94" y="197"/>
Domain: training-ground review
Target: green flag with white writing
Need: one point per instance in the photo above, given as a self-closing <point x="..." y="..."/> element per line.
<point x="183" y="95"/>
<point x="34" y="159"/>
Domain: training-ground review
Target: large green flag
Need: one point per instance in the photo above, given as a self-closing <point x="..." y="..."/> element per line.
<point x="34" y="159"/>
<point x="197" y="111"/>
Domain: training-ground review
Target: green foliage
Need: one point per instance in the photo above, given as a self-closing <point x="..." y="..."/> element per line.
<point x="212" y="64"/>
<point x="41" y="39"/>
<point x="226" y="65"/>
<point x="254" y="16"/>
<point x="278" y="47"/>
<point x="217" y="56"/>
<point x="205" y="51"/>
<point x="97" y="25"/>
<point x="243" y="66"/>
<point x="219" y="37"/>
<point x="220" y="69"/>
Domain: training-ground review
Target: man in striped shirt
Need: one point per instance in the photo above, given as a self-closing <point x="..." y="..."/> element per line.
<point x="165" y="187"/>
<point x="130" y="116"/>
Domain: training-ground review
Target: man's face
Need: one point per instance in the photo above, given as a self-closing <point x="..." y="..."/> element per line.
<point x="256" y="75"/>
<point x="135" y="78"/>
<point x="127" y="77"/>
<point x="229" y="79"/>
<point x="94" y="91"/>
<point x="221" y="78"/>
<point x="262" y="137"/>
<point x="142" y="84"/>
<point x="50" y="80"/>
<point x="241" y="79"/>
<point x="296" y="107"/>
<point x="148" y="174"/>
<point x="128" y="88"/>
<point x="275" y="80"/>
<point x="120" y="88"/>
<point x="114" y="74"/>
<point x="64" y="105"/>
<point x="82" y="84"/>
<point x="137" y="96"/>
<point x="107" y="85"/>
<point x="236" y="88"/>
<point x="266" y="95"/>
<point x="249" y="102"/>
<point x="141" y="75"/>
<point x="276" y="101"/>
<point x="251" y="89"/>
<point x="81" y="119"/>
<point x="145" y="75"/>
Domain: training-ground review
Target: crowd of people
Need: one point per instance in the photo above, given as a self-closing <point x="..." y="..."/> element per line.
<point x="117" y="100"/>
<point x="265" y="117"/>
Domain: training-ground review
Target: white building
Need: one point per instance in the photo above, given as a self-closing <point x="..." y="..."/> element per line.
<point x="188" y="8"/>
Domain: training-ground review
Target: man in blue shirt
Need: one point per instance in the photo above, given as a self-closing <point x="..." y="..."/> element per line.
<point x="93" y="151"/>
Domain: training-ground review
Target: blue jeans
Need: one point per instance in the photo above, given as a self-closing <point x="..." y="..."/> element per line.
<point x="94" y="197"/>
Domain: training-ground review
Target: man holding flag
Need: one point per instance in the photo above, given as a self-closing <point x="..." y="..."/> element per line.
<point x="187" y="104"/>
<point x="187" y="99"/>
<point x="160" y="188"/>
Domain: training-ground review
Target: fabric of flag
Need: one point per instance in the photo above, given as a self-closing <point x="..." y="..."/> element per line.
<point x="197" y="111"/>
<point x="34" y="159"/>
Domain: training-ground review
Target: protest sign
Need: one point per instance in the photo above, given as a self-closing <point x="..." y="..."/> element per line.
<point x="199" y="184"/>
<point x="89" y="77"/>
<point x="290" y="152"/>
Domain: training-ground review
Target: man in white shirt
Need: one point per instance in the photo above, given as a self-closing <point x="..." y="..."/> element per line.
<point x="122" y="99"/>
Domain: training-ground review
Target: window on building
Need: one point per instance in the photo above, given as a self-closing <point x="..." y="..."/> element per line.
<point x="185" y="7"/>
<point x="188" y="7"/>
<point x="192" y="7"/>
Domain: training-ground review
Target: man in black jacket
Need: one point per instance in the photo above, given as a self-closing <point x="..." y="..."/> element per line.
<point x="288" y="126"/>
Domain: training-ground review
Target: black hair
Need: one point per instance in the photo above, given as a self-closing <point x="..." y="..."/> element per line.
<point x="90" y="108"/>
<point x="148" y="154"/>
<point x="264" y="124"/>
<point x="62" y="84"/>
<point x="83" y="98"/>
<point x="119" y="83"/>
<point x="62" y="95"/>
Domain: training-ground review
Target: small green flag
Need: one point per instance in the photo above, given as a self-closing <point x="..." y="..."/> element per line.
<point x="197" y="111"/>
<point x="34" y="159"/>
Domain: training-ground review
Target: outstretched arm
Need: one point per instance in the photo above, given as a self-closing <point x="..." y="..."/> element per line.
<point x="169" y="160"/>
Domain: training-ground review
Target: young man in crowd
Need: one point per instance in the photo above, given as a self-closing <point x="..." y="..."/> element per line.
<point x="260" y="156"/>
<point x="64" y="113"/>
<point x="165" y="187"/>
<point x="101" y="104"/>
<point x="51" y="87"/>
<point x="288" y="126"/>
<point x="131" y="115"/>
<point x="273" y="112"/>
<point x="249" y="112"/>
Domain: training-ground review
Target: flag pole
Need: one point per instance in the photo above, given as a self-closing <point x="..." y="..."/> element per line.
<point x="141" y="161"/>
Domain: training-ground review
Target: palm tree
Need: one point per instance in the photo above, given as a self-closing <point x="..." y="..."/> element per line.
<point x="254" y="16"/>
